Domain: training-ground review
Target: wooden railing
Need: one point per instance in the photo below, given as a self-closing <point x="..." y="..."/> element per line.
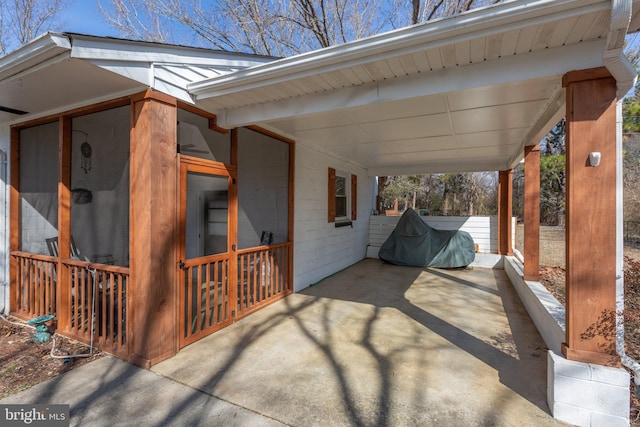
<point x="262" y="276"/>
<point x="206" y="290"/>
<point x="36" y="285"/>
<point x="101" y="308"/>
<point x="94" y="301"/>
<point x="204" y="297"/>
<point x="98" y="301"/>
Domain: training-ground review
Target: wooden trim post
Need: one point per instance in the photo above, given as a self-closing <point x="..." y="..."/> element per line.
<point x="153" y="235"/>
<point x="14" y="216"/>
<point x="505" y="209"/>
<point x="232" y="232"/>
<point x="532" y="212"/>
<point x="63" y="302"/>
<point x="591" y="218"/>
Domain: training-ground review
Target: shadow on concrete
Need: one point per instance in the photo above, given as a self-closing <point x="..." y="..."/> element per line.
<point x="374" y="345"/>
<point x="510" y="354"/>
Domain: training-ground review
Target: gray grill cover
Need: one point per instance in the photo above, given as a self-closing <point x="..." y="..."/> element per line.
<point x="414" y="243"/>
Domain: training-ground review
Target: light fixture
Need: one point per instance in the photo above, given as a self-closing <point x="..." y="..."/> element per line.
<point x="594" y="158"/>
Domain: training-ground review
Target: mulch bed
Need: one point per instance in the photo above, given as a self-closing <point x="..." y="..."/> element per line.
<point x="554" y="278"/>
<point x="25" y="363"/>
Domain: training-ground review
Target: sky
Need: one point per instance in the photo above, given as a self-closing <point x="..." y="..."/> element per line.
<point x="83" y="16"/>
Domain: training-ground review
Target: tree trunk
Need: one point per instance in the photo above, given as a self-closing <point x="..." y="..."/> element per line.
<point x="445" y="203"/>
<point x="415" y="15"/>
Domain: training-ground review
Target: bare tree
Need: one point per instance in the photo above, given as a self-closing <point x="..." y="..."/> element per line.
<point x="468" y="193"/>
<point x="2" y="31"/>
<point x="631" y="167"/>
<point x="23" y="20"/>
<point x="135" y="22"/>
<point x="243" y="26"/>
<point x="272" y="27"/>
<point x="425" y="10"/>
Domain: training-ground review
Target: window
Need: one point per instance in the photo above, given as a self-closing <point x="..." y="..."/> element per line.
<point x="342" y="196"/>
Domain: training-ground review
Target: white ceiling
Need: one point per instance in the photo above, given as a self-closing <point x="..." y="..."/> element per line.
<point x="465" y="93"/>
<point x="470" y="129"/>
<point x="459" y="94"/>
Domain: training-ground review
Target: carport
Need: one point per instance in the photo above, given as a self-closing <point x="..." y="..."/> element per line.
<point x="475" y="92"/>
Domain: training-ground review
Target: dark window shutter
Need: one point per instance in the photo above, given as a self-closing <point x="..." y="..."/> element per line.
<point x="354" y="197"/>
<point x="332" y="195"/>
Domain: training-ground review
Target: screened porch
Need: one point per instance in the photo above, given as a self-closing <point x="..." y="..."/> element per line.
<point x="83" y="231"/>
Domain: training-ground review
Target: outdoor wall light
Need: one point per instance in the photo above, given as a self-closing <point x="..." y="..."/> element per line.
<point x="594" y="159"/>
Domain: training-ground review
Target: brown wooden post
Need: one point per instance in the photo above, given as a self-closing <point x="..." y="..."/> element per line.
<point x="292" y="163"/>
<point x="505" y="209"/>
<point x="591" y="218"/>
<point x="14" y="217"/>
<point x="153" y="236"/>
<point x="63" y="296"/>
<point x="532" y="212"/>
<point x="232" y="232"/>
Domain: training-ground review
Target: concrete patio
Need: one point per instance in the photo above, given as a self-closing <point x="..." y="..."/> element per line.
<point x="378" y="344"/>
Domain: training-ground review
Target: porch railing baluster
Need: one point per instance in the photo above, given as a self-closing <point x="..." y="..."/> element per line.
<point x="38" y="286"/>
<point x="216" y="293"/>
<point x="208" y="309"/>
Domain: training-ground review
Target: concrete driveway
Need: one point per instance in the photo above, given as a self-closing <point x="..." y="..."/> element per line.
<point x="379" y="345"/>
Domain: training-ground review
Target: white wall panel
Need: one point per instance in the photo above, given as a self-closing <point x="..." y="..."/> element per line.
<point x="321" y="249"/>
<point x="483" y="229"/>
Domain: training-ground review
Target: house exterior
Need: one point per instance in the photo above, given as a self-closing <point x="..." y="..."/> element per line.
<point x="153" y="185"/>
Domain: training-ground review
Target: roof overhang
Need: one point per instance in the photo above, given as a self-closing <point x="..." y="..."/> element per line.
<point x="465" y="93"/>
<point x="62" y="71"/>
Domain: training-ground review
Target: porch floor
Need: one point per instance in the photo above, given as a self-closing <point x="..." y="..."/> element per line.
<point x="378" y="344"/>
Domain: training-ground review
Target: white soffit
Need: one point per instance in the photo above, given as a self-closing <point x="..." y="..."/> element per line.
<point x="58" y="72"/>
<point x="461" y="93"/>
<point x="60" y="86"/>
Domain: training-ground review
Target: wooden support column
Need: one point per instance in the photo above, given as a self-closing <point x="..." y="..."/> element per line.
<point x="63" y="296"/>
<point x="591" y="218"/>
<point x="14" y="217"/>
<point x="153" y="236"/>
<point x="505" y="209"/>
<point x="532" y="212"/>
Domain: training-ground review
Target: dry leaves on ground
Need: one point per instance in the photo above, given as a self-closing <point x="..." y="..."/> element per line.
<point x="25" y="363"/>
<point x="554" y="278"/>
